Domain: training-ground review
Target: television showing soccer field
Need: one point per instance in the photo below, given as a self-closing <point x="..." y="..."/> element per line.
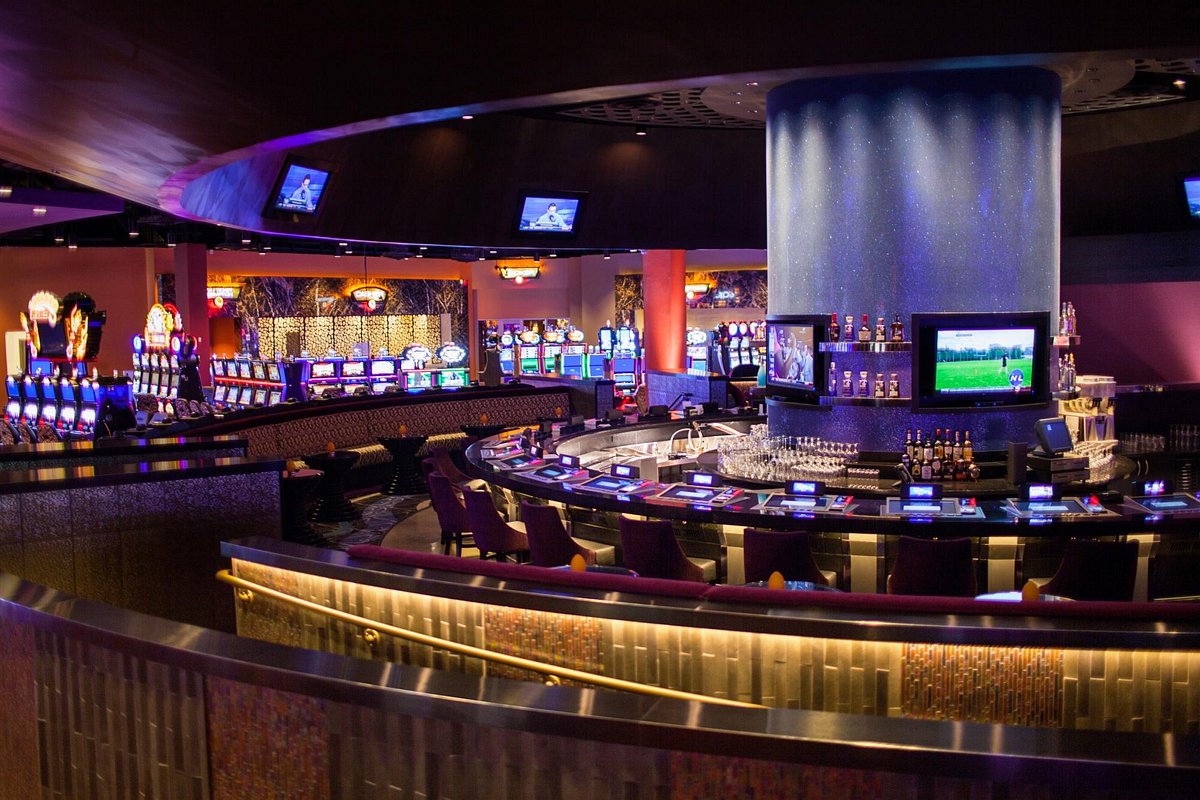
<point x="1191" y="188"/>
<point x="983" y="360"/>
<point x="980" y="360"/>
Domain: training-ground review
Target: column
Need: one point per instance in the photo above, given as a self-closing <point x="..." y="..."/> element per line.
<point x="191" y="297"/>
<point x="666" y="313"/>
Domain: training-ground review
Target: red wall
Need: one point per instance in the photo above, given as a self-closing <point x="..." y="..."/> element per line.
<point x="1138" y="332"/>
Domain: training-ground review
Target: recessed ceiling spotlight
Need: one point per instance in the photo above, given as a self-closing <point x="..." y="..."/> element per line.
<point x="424" y="247"/>
<point x="39" y="211"/>
<point x="246" y="239"/>
<point x="752" y="83"/>
<point x="554" y="255"/>
<point x="468" y="116"/>
<point x="58" y="238"/>
<point x="1179" y="83"/>
<point x="635" y="250"/>
<point x="5" y="191"/>
<point x="493" y="252"/>
<point x="420" y="255"/>
<point x="606" y="255"/>
<point x="343" y="244"/>
<point x="639" y="130"/>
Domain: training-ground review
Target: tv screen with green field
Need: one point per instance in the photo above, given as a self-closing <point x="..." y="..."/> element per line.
<point x="979" y="360"/>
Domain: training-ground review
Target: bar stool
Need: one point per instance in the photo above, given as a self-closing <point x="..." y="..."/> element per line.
<point x="1095" y="570"/>
<point x="788" y="552"/>
<point x="649" y="548"/>
<point x="451" y="514"/>
<point x="939" y="567"/>
<point x="446" y="466"/>
<point x="492" y="533"/>
<point x="551" y="546"/>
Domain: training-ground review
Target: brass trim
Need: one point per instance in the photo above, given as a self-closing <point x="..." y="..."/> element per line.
<point x="554" y="674"/>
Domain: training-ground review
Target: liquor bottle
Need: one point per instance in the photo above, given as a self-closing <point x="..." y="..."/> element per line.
<point x="927" y="449"/>
<point x="1071" y="329"/>
<point x="847" y="384"/>
<point x="1062" y="319"/>
<point x="957" y="452"/>
<point x="935" y="468"/>
<point x="894" y="386"/>
<point x="833" y="379"/>
<point x="897" y="330"/>
<point x="968" y="449"/>
<point x="916" y="453"/>
<point x="864" y="332"/>
<point x="908" y="445"/>
<point x="939" y="452"/>
<point x="960" y="470"/>
<point x="878" y="385"/>
<point x="926" y="470"/>
<point x="862" y="384"/>
<point x="1070" y="372"/>
<point x="834" y="329"/>
<point x="880" y="330"/>
<point x="848" y="329"/>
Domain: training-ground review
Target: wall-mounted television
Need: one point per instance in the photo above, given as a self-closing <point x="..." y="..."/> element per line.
<point x="796" y="368"/>
<point x="1191" y="191"/>
<point x="300" y="187"/>
<point x="549" y="214"/>
<point x="981" y="360"/>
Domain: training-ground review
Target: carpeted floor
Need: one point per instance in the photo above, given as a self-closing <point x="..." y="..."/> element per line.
<point x="380" y="514"/>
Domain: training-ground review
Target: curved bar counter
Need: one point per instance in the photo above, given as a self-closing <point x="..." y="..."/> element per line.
<point x="858" y="544"/>
<point x="352" y="726"/>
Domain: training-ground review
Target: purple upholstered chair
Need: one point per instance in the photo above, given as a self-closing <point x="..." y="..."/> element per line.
<point x="492" y="533"/>
<point x="428" y="465"/>
<point x="788" y="552"/>
<point x="649" y="548"/>
<point x="551" y="546"/>
<point x="446" y="466"/>
<point x="940" y="567"/>
<point x="1095" y="570"/>
<point x="451" y="514"/>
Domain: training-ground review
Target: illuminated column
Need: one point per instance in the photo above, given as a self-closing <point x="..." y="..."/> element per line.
<point x="665" y="309"/>
<point x="191" y="297"/>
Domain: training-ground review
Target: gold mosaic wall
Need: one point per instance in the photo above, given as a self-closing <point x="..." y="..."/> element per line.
<point x="318" y="334"/>
<point x="1093" y="689"/>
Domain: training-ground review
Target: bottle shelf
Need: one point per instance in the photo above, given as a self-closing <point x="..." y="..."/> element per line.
<point x="870" y="402"/>
<point x="1064" y="341"/>
<point x="865" y="347"/>
<point x="1074" y="395"/>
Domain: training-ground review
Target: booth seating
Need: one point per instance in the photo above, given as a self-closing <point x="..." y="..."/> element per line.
<point x="355" y="424"/>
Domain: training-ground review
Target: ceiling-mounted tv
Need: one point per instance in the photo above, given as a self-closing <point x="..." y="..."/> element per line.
<point x="1191" y="190"/>
<point x="550" y="214"/>
<point x="981" y="360"/>
<point x="300" y="188"/>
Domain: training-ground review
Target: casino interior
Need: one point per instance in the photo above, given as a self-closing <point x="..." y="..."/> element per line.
<point x="679" y="401"/>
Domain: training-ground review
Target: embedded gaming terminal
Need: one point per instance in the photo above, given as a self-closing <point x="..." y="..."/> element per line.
<point x="700" y="488"/>
<point x="805" y="497"/>
<point x="1158" y="497"/>
<point x="1043" y="500"/>
<point x="925" y="500"/>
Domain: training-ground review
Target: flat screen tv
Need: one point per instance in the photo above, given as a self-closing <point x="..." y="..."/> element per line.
<point x="1191" y="189"/>
<point x="549" y="214"/>
<point x="796" y="369"/>
<point x="981" y="360"/>
<point x="300" y="188"/>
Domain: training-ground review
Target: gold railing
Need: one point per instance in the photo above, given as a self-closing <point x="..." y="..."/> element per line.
<point x="553" y="675"/>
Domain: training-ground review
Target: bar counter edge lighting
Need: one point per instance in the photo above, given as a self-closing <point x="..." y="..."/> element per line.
<point x="670" y="746"/>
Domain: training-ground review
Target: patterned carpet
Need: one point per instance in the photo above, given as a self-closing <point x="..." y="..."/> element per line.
<point x="380" y="514"/>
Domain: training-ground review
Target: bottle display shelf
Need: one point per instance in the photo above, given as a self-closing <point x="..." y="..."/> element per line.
<point x="873" y="402"/>
<point x="865" y="347"/>
<point x="1065" y="341"/>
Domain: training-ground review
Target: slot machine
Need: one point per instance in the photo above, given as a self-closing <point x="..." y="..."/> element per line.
<point x="151" y="374"/>
<point x="354" y="373"/>
<point x="574" y="354"/>
<point x="606" y="340"/>
<point x="137" y="363"/>
<point x="507" y="341"/>
<point x="322" y="376"/>
<point x="49" y="402"/>
<point x="696" y="350"/>
<point x="625" y="374"/>
<point x="595" y="365"/>
<point x="30" y="401"/>
<point x="527" y="352"/>
<point x="172" y="362"/>
<point x="551" y="349"/>
<point x="276" y="385"/>
<point x="452" y="374"/>
<point x="416" y="376"/>
<point x="89" y="404"/>
<point x="735" y="345"/>
<point x="744" y="343"/>
<point x="68" y="415"/>
<point x="12" y="408"/>
<point x="383" y="374"/>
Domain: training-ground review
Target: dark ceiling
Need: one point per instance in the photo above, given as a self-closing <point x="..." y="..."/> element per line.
<point x="149" y="102"/>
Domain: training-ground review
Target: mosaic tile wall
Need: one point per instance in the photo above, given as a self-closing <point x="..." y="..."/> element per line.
<point x="18" y="712"/>
<point x="1092" y="689"/>
<point x="318" y="334"/>
<point x="99" y="721"/>
<point x="112" y="725"/>
<point x="559" y="639"/>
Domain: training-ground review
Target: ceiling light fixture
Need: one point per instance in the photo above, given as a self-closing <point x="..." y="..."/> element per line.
<point x="1179" y="83"/>
<point x="39" y="211"/>
<point x="606" y="255"/>
<point x="5" y="191"/>
<point x="639" y="130"/>
<point x="468" y="116"/>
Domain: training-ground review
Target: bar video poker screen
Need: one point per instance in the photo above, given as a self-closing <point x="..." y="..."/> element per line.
<point x="999" y="360"/>
<point x="791" y="353"/>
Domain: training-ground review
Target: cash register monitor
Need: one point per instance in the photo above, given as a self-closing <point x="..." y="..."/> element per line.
<point x="1053" y="436"/>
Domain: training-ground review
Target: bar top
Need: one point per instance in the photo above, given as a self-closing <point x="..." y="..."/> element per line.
<point x="40" y="480"/>
<point x="117" y="446"/>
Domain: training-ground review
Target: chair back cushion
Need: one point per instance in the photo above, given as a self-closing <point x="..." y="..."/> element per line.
<point x="1096" y="570"/>
<point x="549" y="543"/>
<point x="941" y="567"/>
<point x="788" y="552"/>
<point x="649" y="548"/>
<point x="449" y="509"/>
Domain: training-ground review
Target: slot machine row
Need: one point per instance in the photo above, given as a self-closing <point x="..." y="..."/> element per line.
<point x="67" y="404"/>
<point x="248" y="382"/>
<point x="156" y="373"/>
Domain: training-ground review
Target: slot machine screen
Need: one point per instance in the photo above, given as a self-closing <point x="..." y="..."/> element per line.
<point x="219" y="394"/>
<point x="274" y="397"/>
<point x="452" y="378"/>
<point x="273" y="372"/>
<point x="260" y="397"/>
<point x="420" y="380"/>
<point x="246" y="396"/>
<point x="354" y="369"/>
<point x="230" y="368"/>
<point x="323" y="369"/>
<point x="260" y="372"/>
<point x="379" y="388"/>
<point x="383" y="367"/>
<point x="244" y="369"/>
<point x="218" y="368"/>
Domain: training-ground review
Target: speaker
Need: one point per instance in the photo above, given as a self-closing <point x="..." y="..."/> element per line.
<point x="1017" y="451"/>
